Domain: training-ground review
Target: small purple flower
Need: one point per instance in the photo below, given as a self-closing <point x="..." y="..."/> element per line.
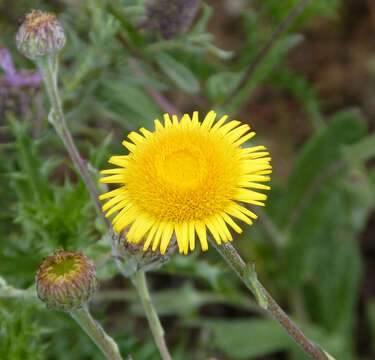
<point x="14" y="78"/>
<point x="170" y="18"/>
<point x="17" y="87"/>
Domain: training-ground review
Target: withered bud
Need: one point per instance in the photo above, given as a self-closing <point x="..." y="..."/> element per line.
<point x="39" y="35"/>
<point x="170" y="18"/>
<point x="66" y="281"/>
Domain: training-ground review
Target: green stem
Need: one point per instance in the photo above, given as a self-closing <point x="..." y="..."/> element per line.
<point x="104" y="342"/>
<point x="139" y="280"/>
<point x="48" y="68"/>
<point x="247" y="274"/>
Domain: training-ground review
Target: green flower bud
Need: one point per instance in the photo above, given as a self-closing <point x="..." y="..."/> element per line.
<point x="39" y="35"/>
<point x="66" y="281"/>
<point x="131" y="257"/>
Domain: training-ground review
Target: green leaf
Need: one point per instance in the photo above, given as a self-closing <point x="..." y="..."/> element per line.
<point x="219" y="86"/>
<point x="318" y="158"/>
<point x="247" y="339"/>
<point x="125" y="98"/>
<point x="21" y="336"/>
<point x="178" y="73"/>
<point x="202" y="22"/>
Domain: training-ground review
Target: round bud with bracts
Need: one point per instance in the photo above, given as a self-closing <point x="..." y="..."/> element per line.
<point x="39" y="35"/>
<point x="66" y="281"/>
<point x="132" y="258"/>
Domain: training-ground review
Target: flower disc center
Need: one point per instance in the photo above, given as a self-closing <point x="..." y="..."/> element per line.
<point x="181" y="169"/>
<point x="63" y="268"/>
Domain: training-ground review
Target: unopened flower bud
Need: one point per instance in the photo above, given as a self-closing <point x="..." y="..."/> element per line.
<point x="39" y="35"/>
<point x="132" y="258"/>
<point x="170" y="18"/>
<point x="66" y="281"/>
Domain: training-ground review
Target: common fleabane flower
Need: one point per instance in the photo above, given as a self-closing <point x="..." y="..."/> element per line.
<point x="185" y="178"/>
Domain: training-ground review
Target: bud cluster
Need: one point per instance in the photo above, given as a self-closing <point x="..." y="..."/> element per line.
<point x="40" y="34"/>
<point x="66" y="281"/>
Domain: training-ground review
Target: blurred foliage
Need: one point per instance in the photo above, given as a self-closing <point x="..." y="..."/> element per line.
<point x="305" y="244"/>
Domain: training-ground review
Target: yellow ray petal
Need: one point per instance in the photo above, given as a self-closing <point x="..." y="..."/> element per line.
<point x="195" y="118"/>
<point x="244" y="139"/>
<point x="112" y="193"/>
<point x="136" y="138"/>
<point x="113" y="179"/>
<point x="167" y="120"/>
<point x="213" y="231"/>
<point x="119" y="160"/>
<point x="231" y="223"/>
<point x="158" y="125"/>
<point x="201" y="231"/>
<point x="113" y="202"/>
<point x="238" y="132"/>
<point x="228" y="127"/>
<point x="112" y="171"/>
<point x="150" y="236"/>
<point x="192" y="236"/>
<point x="146" y="133"/>
<point x="219" y="123"/>
<point x="157" y="237"/>
<point x="166" y="238"/>
<point x="208" y="120"/>
<point x="130" y="146"/>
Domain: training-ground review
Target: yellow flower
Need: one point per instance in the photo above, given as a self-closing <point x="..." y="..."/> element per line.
<point x="184" y="178"/>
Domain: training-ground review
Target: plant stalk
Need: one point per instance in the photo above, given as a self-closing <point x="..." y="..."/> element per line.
<point x="104" y="342"/>
<point x="247" y="274"/>
<point x="259" y="57"/>
<point x="139" y="280"/>
<point x="48" y="68"/>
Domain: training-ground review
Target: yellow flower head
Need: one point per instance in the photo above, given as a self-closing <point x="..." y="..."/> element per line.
<point x="184" y="178"/>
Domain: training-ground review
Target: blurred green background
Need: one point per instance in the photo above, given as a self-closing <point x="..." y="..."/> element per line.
<point x="311" y="101"/>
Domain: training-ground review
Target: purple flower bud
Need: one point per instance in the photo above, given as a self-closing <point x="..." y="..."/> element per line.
<point x="170" y="18"/>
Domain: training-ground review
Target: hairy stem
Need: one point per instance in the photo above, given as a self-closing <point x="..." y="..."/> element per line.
<point x="139" y="280"/>
<point x="259" y="57"/>
<point x="48" y="68"/>
<point x="247" y="274"/>
<point x="104" y="342"/>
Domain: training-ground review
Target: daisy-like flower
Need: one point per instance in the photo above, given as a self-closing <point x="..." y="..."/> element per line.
<point x="185" y="178"/>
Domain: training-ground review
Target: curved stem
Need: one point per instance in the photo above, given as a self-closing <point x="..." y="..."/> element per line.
<point x="139" y="280"/>
<point x="48" y="68"/>
<point x="104" y="342"/>
<point x="248" y="275"/>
